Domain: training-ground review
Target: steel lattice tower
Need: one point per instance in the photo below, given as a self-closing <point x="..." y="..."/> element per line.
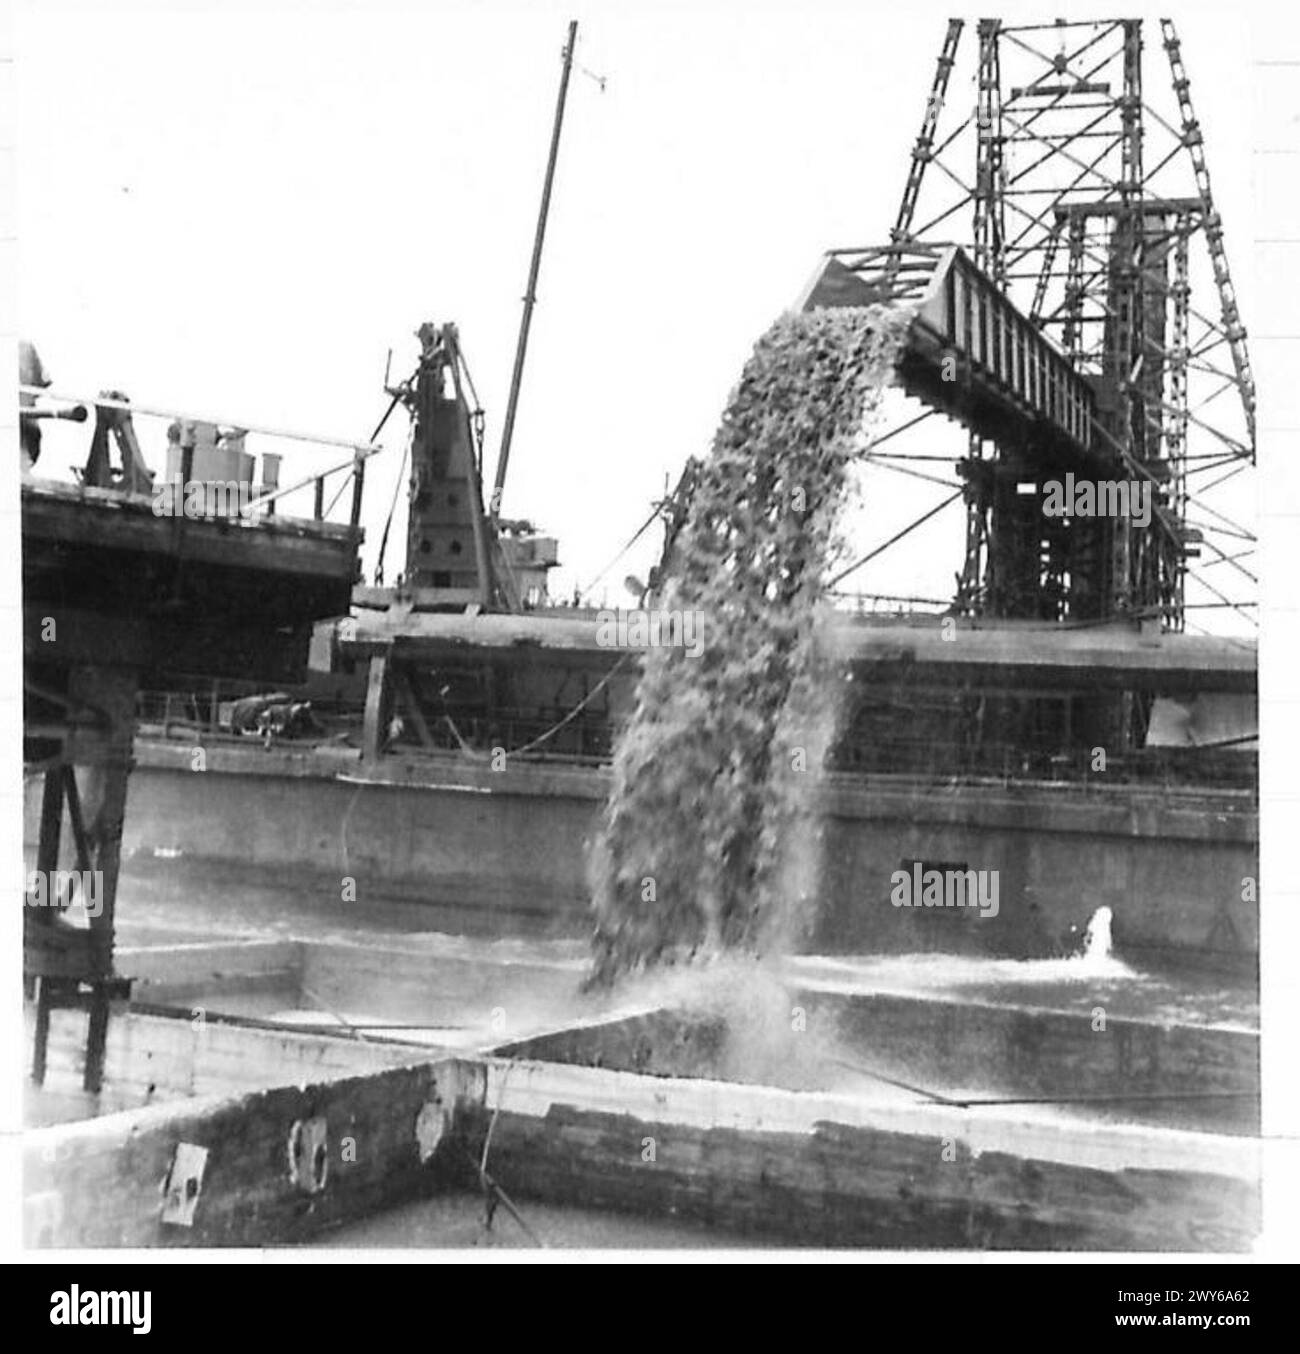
<point x="1093" y="211"/>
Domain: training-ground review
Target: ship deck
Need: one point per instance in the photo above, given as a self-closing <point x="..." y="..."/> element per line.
<point x="171" y="594"/>
<point x="1113" y="657"/>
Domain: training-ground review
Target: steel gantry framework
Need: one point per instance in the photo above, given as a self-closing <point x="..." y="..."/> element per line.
<point x="1092" y="211"/>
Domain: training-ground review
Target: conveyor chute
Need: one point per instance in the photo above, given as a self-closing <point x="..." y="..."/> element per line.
<point x="970" y="353"/>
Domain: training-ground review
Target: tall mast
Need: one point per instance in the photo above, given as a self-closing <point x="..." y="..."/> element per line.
<point x="530" y="296"/>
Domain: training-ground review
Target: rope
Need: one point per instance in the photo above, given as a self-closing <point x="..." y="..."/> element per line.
<point x="491" y="1186"/>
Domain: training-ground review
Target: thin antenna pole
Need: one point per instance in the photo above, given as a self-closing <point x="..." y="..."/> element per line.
<point x="530" y="296"/>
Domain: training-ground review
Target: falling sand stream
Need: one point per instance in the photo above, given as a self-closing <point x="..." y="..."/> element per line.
<point x="709" y="842"/>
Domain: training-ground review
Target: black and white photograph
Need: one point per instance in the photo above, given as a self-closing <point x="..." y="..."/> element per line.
<point x="652" y="632"/>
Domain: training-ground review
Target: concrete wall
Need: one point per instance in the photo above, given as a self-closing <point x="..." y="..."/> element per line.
<point x="1165" y="889"/>
<point x="383" y="1136"/>
<point x="458" y="845"/>
<point x="952" y="1047"/>
<point x="457" y="834"/>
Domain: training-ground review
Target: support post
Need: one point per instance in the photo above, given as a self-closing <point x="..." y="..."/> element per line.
<point x="73" y="966"/>
<point x="358" y="489"/>
<point x="375" y="725"/>
<point x="411" y="704"/>
<point x="108" y="752"/>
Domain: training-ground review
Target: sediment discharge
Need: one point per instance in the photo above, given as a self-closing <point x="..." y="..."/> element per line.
<point x="709" y="840"/>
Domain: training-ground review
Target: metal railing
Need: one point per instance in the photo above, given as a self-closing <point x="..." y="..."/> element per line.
<point x="177" y="491"/>
<point x="941" y="759"/>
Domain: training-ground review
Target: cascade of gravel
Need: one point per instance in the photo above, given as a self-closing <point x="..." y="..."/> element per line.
<point x="710" y="838"/>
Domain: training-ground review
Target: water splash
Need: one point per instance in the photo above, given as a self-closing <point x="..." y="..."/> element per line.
<point x="1097" y="944"/>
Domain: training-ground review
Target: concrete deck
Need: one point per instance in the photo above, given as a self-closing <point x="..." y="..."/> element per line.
<point x="439" y="1068"/>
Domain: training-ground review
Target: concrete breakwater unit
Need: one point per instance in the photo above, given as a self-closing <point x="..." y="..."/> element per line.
<point x="269" y="1090"/>
<point x="490" y="848"/>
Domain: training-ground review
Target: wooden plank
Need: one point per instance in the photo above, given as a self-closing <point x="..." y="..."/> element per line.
<point x="1108" y="657"/>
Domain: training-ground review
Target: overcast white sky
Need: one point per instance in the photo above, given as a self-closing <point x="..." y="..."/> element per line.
<point x="240" y="209"/>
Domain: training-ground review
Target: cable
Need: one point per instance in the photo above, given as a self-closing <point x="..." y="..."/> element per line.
<point x="925" y="517"/>
<point x="352" y="1030"/>
<point x="488" y="1184"/>
<point x="347" y="479"/>
<point x="640" y="531"/>
<point x="554" y="729"/>
<point x="904" y="470"/>
<point x="970" y="1102"/>
<point x="392" y="507"/>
